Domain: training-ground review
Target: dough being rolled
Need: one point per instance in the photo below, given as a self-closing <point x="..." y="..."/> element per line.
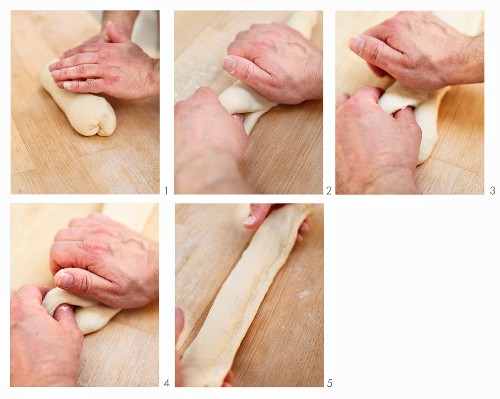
<point x="88" y="114"/>
<point x="243" y="99"/>
<point x="427" y="103"/>
<point x="90" y="314"/>
<point x="210" y="356"/>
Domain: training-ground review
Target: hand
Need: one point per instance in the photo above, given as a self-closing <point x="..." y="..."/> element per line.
<point x="375" y="153"/>
<point x="44" y="351"/>
<point x="278" y="62"/>
<point x="117" y="67"/>
<point x="102" y="259"/>
<point x="421" y="51"/>
<point x="259" y="212"/>
<point x="209" y="145"/>
<point x="179" y="380"/>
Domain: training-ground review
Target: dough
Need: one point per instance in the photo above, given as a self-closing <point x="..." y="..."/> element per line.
<point x="427" y="103"/>
<point x="88" y="114"/>
<point x="242" y="99"/>
<point x="210" y="356"/>
<point x="90" y="314"/>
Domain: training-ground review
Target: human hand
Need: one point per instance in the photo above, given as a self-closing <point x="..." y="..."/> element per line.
<point x="375" y="153"/>
<point x="278" y="62"/>
<point x="259" y="212"/>
<point x="421" y="51"/>
<point x="209" y="145"/>
<point x="109" y="64"/>
<point x="179" y="380"/>
<point x="102" y="259"/>
<point x="44" y="351"/>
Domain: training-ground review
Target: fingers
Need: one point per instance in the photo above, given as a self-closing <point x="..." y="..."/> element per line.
<point x="406" y="115"/>
<point x="369" y="94"/>
<point x="246" y="71"/>
<point x="341" y="100"/>
<point x="86" y="86"/>
<point x="83" y="71"/>
<point x="257" y="215"/>
<point x="65" y="315"/>
<point x="179" y="322"/>
<point x="74" y="60"/>
<point x="375" y="51"/>
<point x="31" y="294"/>
<point x="83" y="282"/>
<point x="68" y="254"/>
<point x="228" y="380"/>
<point x="89" y="47"/>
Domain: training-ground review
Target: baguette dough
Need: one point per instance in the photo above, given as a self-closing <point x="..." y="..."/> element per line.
<point x="88" y="114"/>
<point x="210" y="356"/>
<point x="90" y="314"/>
<point x="427" y="103"/>
<point x="243" y="99"/>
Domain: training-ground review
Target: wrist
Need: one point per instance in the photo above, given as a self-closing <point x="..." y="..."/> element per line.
<point x="469" y="65"/>
<point x="394" y="182"/>
<point x="316" y="87"/>
<point x="153" y="78"/>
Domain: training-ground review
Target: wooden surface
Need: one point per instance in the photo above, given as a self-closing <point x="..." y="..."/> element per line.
<point x="125" y="352"/>
<point x="285" y="155"/>
<point x="284" y="345"/>
<point x="456" y="165"/>
<point x="48" y="156"/>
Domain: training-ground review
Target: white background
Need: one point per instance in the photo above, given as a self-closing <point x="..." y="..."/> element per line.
<point x="411" y="283"/>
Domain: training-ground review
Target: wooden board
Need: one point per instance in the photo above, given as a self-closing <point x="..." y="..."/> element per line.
<point x="125" y="352"/>
<point x="456" y="165"/>
<point x="285" y="155"/>
<point x="48" y="156"/>
<point x="284" y="345"/>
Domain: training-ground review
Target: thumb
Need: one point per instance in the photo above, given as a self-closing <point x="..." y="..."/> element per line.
<point x="376" y="52"/>
<point x="246" y="71"/>
<point x="257" y="215"/>
<point x="114" y="34"/>
<point x="405" y="115"/>
<point x="83" y="282"/>
<point x="64" y="314"/>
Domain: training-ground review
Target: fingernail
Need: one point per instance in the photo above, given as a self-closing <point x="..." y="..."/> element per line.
<point x="356" y="44"/>
<point x="250" y="220"/>
<point x="64" y="280"/>
<point x="67" y="85"/>
<point x="56" y="73"/>
<point x="229" y="64"/>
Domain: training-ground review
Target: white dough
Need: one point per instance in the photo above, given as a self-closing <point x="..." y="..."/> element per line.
<point x="210" y="356"/>
<point x="427" y="103"/>
<point x="88" y="114"/>
<point x="242" y="99"/>
<point x="90" y="314"/>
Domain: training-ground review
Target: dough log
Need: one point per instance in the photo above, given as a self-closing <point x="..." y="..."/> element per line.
<point x="427" y="103"/>
<point x="242" y="99"/>
<point x="210" y="356"/>
<point x="90" y="315"/>
<point x="88" y="114"/>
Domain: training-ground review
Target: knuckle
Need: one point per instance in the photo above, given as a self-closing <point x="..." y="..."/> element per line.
<point x="84" y="284"/>
<point x="81" y="69"/>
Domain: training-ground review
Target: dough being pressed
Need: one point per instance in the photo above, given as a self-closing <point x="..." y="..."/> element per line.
<point x="426" y="103"/>
<point x="209" y="357"/>
<point x="88" y="114"/>
<point x="242" y="99"/>
<point x="91" y="315"/>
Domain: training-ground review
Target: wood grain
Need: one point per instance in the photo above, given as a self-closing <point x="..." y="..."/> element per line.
<point x="284" y="345"/>
<point x="125" y="352"/>
<point x="456" y="165"/>
<point x="48" y="156"/>
<point x="285" y="155"/>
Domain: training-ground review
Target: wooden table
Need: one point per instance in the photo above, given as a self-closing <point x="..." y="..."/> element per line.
<point x="125" y="352"/>
<point x="285" y="155"/>
<point x="456" y="165"/>
<point x="284" y="345"/>
<point x="48" y="156"/>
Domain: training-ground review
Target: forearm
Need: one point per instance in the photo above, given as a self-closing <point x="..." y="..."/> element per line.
<point x="212" y="175"/>
<point x="470" y="67"/>
<point x="123" y="19"/>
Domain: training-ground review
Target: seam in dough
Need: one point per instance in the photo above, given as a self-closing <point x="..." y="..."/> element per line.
<point x="210" y="356"/>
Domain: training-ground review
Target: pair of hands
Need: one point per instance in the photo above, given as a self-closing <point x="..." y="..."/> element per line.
<point x="108" y="63"/>
<point x="277" y="61"/>
<point x="377" y="153"/>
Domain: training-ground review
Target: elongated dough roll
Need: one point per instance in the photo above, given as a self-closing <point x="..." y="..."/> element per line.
<point x="210" y="356"/>
<point x="88" y="114"/>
